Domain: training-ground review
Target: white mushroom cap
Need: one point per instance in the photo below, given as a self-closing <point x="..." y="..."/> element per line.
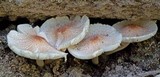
<point x="136" y="31"/>
<point x="99" y="39"/>
<point x="63" y="32"/>
<point x="122" y="46"/>
<point x="30" y="43"/>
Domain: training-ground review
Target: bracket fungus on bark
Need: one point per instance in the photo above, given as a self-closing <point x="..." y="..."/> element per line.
<point x="99" y="39"/>
<point x="32" y="43"/>
<point x="63" y="32"/>
<point x="136" y="31"/>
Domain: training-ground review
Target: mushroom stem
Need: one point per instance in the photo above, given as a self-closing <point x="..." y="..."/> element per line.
<point x="46" y="62"/>
<point x="63" y="49"/>
<point x="95" y="60"/>
<point x="40" y="63"/>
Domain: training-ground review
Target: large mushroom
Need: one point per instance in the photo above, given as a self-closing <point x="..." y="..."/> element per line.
<point x="31" y="43"/>
<point x="63" y="32"/>
<point x="99" y="39"/>
<point x="136" y="31"/>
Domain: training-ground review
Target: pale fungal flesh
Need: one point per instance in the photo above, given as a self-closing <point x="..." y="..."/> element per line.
<point x="31" y="43"/>
<point x="63" y="32"/>
<point x="136" y="31"/>
<point x="121" y="47"/>
<point x="99" y="39"/>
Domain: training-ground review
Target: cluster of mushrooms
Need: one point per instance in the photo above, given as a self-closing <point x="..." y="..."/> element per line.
<point x="82" y="39"/>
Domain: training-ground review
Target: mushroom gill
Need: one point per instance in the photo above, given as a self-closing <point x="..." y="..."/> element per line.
<point x="121" y="47"/>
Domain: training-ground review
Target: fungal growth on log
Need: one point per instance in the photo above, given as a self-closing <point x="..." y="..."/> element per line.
<point x="82" y="39"/>
<point x="99" y="39"/>
<point x="63" y="32"/>
<point x="31" y="43"/>
<point x="136" y="31"/>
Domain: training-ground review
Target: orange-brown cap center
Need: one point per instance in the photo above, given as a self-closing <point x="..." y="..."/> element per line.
<point x="133" y="30"/>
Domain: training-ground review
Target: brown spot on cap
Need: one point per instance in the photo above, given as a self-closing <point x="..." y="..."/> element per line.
<point x="133" y="30"/>
<point x="95" y="39"/>
<point x="38" y="39"/>
<point x="64" y="28"/>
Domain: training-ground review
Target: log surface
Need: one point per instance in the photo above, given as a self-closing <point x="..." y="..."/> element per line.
<point x="119" y="9"/>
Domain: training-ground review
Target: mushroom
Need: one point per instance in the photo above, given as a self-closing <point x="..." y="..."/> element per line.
<point x="136" y="31"/>
<point x="99" y="39"/>
<point x="63" y="32"/>
<point x="32" y="43"/>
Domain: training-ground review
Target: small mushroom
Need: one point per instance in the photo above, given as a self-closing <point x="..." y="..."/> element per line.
<point x="31" y="43"/>
<point x="63" y="32"/>
<point x="136" y="31"/>
<point x="99" y="39"/>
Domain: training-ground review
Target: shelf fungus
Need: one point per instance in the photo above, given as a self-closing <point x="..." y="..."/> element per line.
<point x="63" y="32"/>
<point x="136" y="31"/>
<point x="32" y="43"/>
<point x="100" y="38"/>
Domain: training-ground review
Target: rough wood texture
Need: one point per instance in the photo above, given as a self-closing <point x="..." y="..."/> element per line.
<point x="120" y="9"/>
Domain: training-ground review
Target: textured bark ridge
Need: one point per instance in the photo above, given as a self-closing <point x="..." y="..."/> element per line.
<point x="120" y="9"/>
